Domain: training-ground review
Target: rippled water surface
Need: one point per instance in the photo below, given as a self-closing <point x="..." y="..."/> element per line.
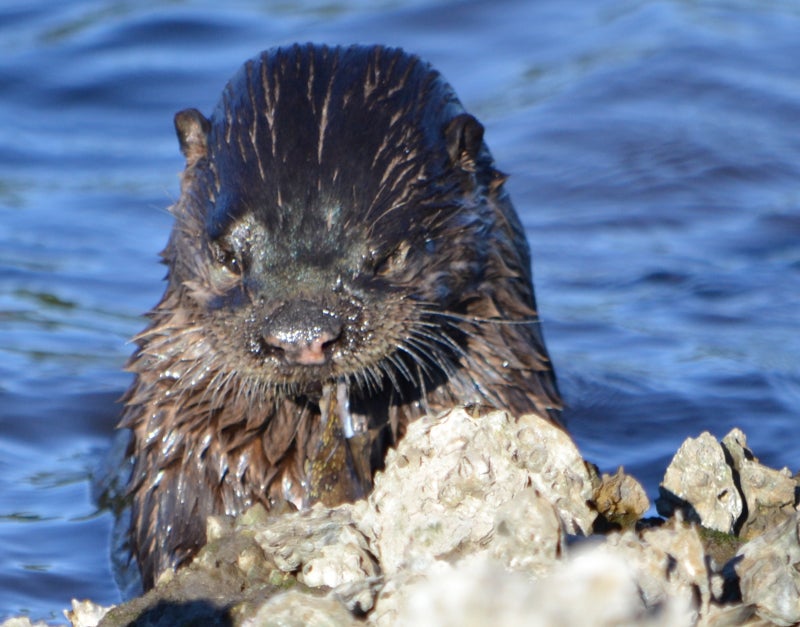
<point x="654" y="153"/>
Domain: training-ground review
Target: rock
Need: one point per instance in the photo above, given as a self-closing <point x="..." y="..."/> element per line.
<point x="477" y="590"/>
<point x="469" y="524"/>
<point x="599" y="588"/>
<point x="719" y="547"/>
<point x="450" y="475"/>
<point x="725" y="488"/>
<point x="85" y="613"/>
<point x="619" y="498"/>
<point x="325" y="550"/>
<point x="668" y="565"/>
<point x="699" y="482"/>
<point x="685" y="571"/>
<point x="592" y="589"/>
<point x="767" y="572"/>
<point x="250" y="560"/>
<point x="296" y="609"/>
<point x="732" y="616"/>
<point x="769" y="495"/>
<point x="527" y="535"/>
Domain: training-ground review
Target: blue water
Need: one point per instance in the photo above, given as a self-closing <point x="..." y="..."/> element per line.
<point x="654" y="154"/>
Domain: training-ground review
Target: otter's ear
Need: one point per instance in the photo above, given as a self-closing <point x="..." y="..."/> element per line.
<point x="192" y="128"/>
<point x="464" y="137"/>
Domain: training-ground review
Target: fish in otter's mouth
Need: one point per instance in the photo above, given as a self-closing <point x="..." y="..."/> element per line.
<point x="344" y="260"/>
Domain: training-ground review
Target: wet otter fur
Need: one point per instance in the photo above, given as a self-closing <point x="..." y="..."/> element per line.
<point x="344" y="260"/>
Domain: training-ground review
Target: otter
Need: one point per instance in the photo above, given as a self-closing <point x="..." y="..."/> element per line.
<point x="344" y="259"/>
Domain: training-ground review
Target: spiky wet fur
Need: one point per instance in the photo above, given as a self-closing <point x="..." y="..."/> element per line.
<point x="350" y="177"/>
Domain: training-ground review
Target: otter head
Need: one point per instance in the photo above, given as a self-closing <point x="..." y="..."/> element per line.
<point x="344" y="259"/>
<point x="332" y="217"/>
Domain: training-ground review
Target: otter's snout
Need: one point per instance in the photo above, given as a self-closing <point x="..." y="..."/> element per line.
<point x="300" y="331"/>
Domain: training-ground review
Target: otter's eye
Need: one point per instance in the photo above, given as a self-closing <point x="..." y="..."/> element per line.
<point x="393" y="262"/>
<point x="227" y="259"/>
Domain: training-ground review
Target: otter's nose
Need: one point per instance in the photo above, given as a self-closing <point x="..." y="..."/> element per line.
<point x="300" y="330"/>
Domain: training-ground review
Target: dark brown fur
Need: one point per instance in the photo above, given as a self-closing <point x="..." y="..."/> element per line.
<point x="344" y="256"/>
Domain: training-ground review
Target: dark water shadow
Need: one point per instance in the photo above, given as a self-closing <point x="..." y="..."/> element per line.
<point x="172" y="614"/>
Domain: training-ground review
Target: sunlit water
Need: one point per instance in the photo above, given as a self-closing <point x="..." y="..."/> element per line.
<point x="654" y="153"/>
